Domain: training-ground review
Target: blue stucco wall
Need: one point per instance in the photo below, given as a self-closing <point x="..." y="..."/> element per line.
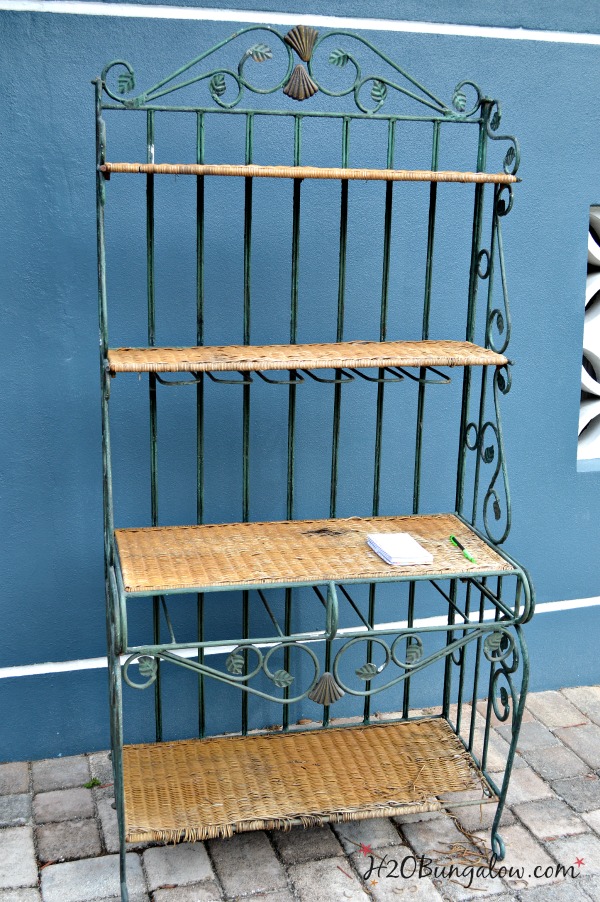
<point x="52" y="600"/>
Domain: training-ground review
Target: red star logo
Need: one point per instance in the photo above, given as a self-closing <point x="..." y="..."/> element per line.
<point x="579" y="862"/>
<point x="366" y="850"/>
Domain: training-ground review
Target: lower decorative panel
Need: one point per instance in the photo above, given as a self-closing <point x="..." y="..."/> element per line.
<point x="202" y="788"/>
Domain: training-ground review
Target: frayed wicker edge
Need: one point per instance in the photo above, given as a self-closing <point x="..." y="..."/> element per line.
<point x="306" y="820"/>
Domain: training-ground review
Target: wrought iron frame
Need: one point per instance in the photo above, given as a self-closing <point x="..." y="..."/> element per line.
<point x="493" y="632"/>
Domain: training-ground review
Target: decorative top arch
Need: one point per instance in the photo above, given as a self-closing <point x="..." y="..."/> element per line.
<point x="306" y="62"/>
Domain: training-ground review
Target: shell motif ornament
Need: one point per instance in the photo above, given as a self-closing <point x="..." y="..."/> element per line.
<point x="326" y="691"/>
<point x="302" y="39"/>
<point x="300" y="85"/>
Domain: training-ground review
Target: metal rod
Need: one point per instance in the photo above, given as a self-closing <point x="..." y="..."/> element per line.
<point x="200" y="140"/>
<point x="383" y="318"/>
<point x="337" y="396"/>
<point x="472" y="304"/>
<point x="246" y="389"/>
<point x="291" y="436"/>
<point x="435" y="151"/>
<point x="152" y="395"/>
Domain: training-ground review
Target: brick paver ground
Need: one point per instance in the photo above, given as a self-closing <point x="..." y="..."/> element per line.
<point x="58" y="837"/>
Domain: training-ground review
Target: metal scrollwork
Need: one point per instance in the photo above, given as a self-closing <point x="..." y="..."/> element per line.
<point x="499" y="319"/>
<point x="219" y="79"/>
<point x="504" y="697"/>
<point x="459" y="99"/>
<point x="414" y="651"/>
<point x="498" y="645"/>
<point x="495" y="452"/>
<point x="298" y="80"/>
<point x="512" y="156"/>
<point x="148" y="668"/>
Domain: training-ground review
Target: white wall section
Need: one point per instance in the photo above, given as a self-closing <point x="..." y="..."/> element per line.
<point x="141" y="11"/>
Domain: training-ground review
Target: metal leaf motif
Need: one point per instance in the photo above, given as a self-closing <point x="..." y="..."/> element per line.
<point x="414" y="653"/>
<point x="495" y="121"/>
<point x="147" y="666"/>
<point x="126" y="82"/>
<point x="260" y="53"/>
<point x="496" y="508"/>
<point x="501" y="382"/>
<point x="510" y="156"/>
<point x="303" y="39"/>
<point x="488" y="454"/>
<point x="282" y="679"/>
<point x="379" y="91"/>
<point x="492" y="643"/>
<point x="500" y="322"/>
<point x="235" y="663"/>
<point x="367" y="671"/>
<point x="326" y="691"/>
<point x="338" y="57"/>
<point x="459" y="101"/>
<point x="300" y="86"/>
<point x="217" y="85"/>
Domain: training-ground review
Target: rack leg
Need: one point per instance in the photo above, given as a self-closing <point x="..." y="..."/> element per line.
<point x="116" y="742"/>
<point x="511" y="704"/>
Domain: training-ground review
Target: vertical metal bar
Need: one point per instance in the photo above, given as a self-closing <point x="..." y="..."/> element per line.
<point x="470" y="329"/>
<point x="246" y="388"/>
<point x="152" y="397"/>
<point x="472" y="305"/>
<point x="385" y="284"/>
<point x="114" y="669"/>
<point x="200" y="395"/>
<point x="435" y="153"/>
<point x="478" y="647"/>
<point x="337" y="396"/>
<point x="426" y="315"/>
<point x="107" y="499"/>
<point x="292" y="389"/>
<point x="337" y="399"/>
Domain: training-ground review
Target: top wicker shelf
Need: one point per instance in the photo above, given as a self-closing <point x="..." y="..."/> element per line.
<point x="311" y="172"/>
<point x="252" y="358"/>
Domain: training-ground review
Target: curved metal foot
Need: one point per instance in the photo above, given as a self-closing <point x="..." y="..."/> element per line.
<point x="498" y="847"/>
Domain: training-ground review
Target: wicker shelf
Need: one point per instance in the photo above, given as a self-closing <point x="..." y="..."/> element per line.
<point x="244" y="358"/>
<point x="204" y="788"/>
<point x="311" y="172"/>
<point x="292" y="552"/>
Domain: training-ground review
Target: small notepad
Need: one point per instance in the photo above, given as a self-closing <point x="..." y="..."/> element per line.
<point x="398" y="548"/>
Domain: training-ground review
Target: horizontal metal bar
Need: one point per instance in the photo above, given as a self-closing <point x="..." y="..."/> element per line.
<point x="234" y="587"/>
<point x="475" y="628"/>
<point x="243" y="111"/>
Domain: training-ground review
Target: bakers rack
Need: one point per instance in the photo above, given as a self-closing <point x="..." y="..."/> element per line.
<point x="312" y="772"/>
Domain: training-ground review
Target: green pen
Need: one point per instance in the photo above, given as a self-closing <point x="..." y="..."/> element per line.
<point x="466" y="554"/>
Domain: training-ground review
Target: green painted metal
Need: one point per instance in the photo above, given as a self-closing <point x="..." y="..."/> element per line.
<point x="481" y="638"/>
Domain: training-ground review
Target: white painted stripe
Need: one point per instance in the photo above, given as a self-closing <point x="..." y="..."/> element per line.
<point x="23" y="670"/>
<point x="141" y="11"/>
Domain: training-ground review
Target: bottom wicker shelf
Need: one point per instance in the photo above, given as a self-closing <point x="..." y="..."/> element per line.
<point x="201" y="788"/>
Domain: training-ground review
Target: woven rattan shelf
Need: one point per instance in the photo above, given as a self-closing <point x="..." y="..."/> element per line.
<point x="293" y="552"/>
<point x="200" y="789"/>
<point x="312" y="172"/>
<point x="242" y="358"/>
